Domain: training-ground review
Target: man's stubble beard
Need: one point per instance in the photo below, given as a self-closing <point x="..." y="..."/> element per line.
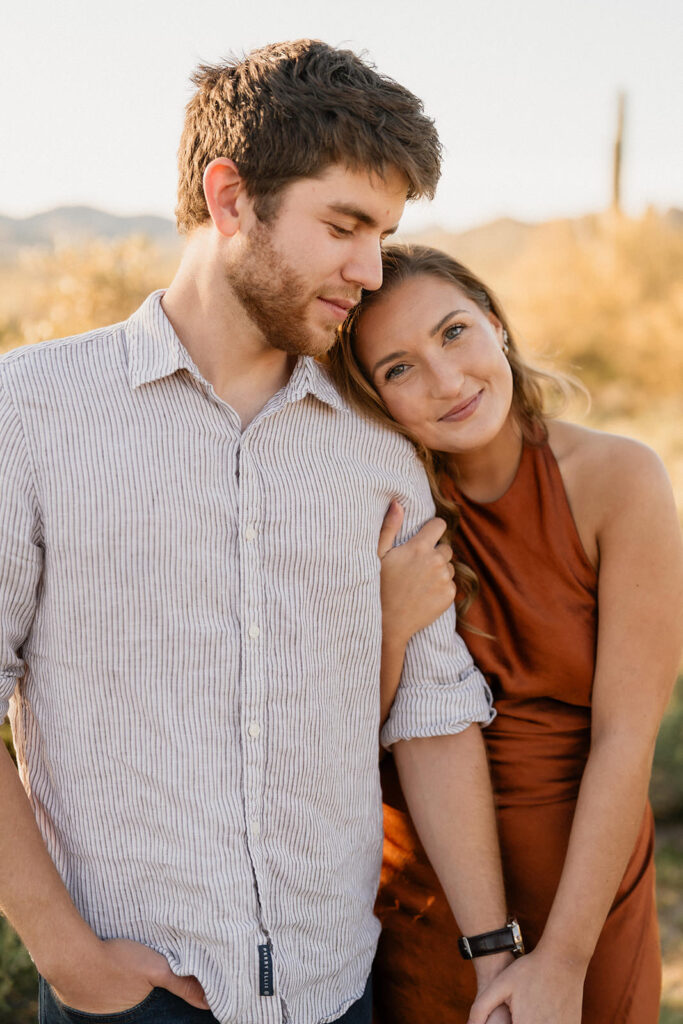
<point x="275" y="298"/>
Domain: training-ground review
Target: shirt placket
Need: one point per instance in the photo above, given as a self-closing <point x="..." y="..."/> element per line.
<point x="253" y="723"/>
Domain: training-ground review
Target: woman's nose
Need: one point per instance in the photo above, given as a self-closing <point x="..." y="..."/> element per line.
<point x="445" y="378"/>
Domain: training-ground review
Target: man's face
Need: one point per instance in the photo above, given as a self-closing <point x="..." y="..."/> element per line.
<point x="298" y="275"/>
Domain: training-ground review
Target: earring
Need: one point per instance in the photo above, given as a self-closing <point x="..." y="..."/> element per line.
<point x="506" y="342"/>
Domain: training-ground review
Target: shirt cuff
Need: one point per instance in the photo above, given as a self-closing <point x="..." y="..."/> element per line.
<point x="426" y="709"/>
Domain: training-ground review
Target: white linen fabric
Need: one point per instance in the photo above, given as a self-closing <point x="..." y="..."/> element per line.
<point x="190" y="645"/>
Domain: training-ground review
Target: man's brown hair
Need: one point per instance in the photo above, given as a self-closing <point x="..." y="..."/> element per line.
<point x="288" y="111"/>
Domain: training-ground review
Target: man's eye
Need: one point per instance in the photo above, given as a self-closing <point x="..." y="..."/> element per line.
<point x="453" y="332"/>
<point x="342" y="232"/>
<point x="396" y="371"/>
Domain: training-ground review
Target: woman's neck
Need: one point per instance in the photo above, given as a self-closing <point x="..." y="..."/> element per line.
<point x="486" y="474"/>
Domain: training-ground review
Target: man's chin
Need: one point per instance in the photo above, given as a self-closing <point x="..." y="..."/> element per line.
<point x="314" y="343"/>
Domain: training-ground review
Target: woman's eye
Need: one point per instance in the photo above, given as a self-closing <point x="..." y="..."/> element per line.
<point x="453" y="332"/>
<point x="395" y="371"/>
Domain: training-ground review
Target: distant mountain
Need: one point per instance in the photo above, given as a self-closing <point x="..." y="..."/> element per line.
<point x="493" y="244"/>
<point x="76" y="224"/>
<point x="489" y="248"/>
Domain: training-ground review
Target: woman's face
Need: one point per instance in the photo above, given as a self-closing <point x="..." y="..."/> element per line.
<point x="437" y="361"/>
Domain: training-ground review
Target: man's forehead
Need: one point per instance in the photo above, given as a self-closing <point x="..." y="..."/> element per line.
<point x="366" y="195"/>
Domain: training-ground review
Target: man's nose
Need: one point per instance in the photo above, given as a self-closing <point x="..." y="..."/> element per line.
<point x="364" y="266"/>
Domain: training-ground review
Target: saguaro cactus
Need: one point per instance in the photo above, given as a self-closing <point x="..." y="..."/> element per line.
<point x="617" y="161"/>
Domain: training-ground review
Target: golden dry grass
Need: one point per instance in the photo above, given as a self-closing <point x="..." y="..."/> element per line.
<point x="601" y="296"/>
<point x="56" y="293"/>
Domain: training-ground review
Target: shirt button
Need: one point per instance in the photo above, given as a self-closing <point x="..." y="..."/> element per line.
<point x="255" y="827"/>
<point x="254" y="730"/>
<point x="249" y="533"/>
<point x="254" y="631"/>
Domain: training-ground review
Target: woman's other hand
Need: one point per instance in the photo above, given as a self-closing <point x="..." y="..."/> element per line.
<point x="536" y="989"/>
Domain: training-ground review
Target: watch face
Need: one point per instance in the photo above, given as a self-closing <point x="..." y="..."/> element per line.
<point x="517" y="937"/>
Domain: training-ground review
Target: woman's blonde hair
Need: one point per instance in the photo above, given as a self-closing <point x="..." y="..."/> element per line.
<point x="529" y="385"/>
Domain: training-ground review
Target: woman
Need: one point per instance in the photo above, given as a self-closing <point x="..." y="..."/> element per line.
<point x="573" y="537"/>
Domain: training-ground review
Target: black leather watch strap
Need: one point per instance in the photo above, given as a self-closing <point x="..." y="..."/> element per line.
<point x="507" y="939"/>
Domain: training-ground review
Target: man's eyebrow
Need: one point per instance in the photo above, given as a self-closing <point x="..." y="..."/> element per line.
<point x="386" y="359"/>
<point x="346" y="210"/>
<point x="443" y="320"/>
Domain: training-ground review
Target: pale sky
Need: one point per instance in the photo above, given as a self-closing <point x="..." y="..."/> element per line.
<point x="523" y="93"/>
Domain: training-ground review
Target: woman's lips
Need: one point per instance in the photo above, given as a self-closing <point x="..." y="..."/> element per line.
<point x="463" y="410"/>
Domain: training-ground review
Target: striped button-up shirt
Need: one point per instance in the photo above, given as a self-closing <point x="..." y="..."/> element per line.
<point x="190" y="650"/>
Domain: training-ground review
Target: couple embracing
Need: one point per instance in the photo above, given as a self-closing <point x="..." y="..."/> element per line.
<point x="200" y="645"/>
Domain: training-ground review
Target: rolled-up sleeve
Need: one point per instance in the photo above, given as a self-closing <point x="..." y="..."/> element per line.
<point x="21" y="551"/>
<point x="441" y="690"/>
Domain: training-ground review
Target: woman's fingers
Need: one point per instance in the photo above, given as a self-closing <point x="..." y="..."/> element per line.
<point x="430" y="534"/>
<point x="427" y="538"/>
<point x="416" y="578"/>
<point x="445" y="551"/>
<point x="393" y="521"/>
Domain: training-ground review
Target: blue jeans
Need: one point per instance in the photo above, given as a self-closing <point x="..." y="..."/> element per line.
<point x="361" y="1011"/>
<point x="162" y="1007"/>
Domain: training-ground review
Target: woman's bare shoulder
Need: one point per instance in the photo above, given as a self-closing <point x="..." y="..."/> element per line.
<point x="606" y="475"/>
<point x="601" y="459"/>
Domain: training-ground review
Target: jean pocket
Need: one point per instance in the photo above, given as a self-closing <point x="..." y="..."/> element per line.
<point x="141" y="1013"/>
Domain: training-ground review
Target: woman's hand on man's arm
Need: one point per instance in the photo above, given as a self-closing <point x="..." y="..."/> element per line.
<point x="416" y="587"/>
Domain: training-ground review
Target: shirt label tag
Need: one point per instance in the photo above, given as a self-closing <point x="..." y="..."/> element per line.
<point x="265" y="960"/>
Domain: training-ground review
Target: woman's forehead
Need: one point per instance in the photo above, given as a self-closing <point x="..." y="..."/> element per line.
<point x="409" y="307"/>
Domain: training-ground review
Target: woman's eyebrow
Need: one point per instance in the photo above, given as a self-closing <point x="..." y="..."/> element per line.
<point x="386" y="359"/>
<point x="443" y="320"/>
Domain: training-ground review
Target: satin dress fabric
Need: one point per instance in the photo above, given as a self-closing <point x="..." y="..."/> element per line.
<point x="538" y="607"/>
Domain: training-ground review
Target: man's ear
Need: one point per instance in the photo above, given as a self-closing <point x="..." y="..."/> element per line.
<point x="223" y="186"/>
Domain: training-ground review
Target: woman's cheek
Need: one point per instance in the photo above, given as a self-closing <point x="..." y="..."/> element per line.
<point x="402" y="411"/>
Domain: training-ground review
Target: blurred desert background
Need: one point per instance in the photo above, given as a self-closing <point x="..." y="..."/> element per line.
<point x="561" y="187"/>
<point x="600" y="296"/>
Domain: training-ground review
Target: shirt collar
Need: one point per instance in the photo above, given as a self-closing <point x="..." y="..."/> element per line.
<point x="310" y="378"/>
<point x="155" y="351"/>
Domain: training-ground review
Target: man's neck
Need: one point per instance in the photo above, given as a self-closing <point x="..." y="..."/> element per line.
<point x="227" y="348"/>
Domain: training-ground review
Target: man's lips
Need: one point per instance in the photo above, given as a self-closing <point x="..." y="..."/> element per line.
<point x="338" y="306"/>
<point x="463" y="409"/>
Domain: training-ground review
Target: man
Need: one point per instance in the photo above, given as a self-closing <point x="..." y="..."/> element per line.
<point x="189" y="598"/>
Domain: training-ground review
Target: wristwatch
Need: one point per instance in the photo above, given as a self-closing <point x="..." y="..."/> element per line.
<point x="507" y="939"/>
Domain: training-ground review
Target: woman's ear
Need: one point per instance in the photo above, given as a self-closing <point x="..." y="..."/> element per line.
<point x="497" y="325"/>
<point x="222" y="187"/>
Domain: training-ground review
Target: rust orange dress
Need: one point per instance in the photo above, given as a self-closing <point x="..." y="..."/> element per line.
<point x="539" y="601"/>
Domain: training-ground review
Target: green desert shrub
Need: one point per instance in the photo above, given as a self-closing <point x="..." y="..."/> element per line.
<point x="666" y="790"/>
